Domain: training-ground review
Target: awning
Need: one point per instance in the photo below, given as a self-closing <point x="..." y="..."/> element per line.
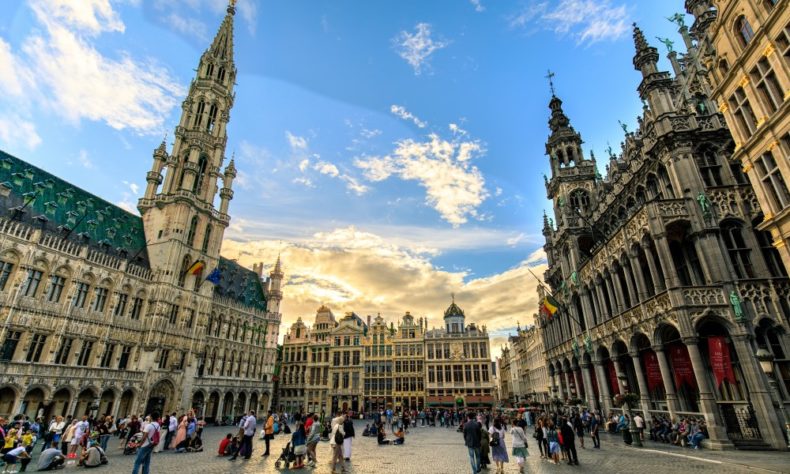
<point x="474" y="400"/>
<point x="440" y="401"/>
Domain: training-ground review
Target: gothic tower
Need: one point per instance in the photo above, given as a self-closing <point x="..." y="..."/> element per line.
<point x="182" y="226"/>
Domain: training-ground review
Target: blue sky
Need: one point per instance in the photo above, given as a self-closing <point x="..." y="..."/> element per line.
<point x="391" y="151"/>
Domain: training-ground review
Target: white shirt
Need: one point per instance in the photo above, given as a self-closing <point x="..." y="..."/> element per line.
<point x="79" y="431"/>
<point x="150" y="428"/>
<point x="640" y="422"/>
<point x="173" y="424"/>
<point x="17" y="451"/>
<point x="249" y="426"/>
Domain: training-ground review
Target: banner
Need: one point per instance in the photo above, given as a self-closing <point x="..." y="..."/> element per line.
<point x="681" y="366"/>
<point x="653" y="370"/>
<point x="614" y="385"/>
<point x="720" y="362"/>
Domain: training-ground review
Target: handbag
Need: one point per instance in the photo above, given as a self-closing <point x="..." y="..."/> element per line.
<point x="300" y="450"/>
<point x="494" y="440"/>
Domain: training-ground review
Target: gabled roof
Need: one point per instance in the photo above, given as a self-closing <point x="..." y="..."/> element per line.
<point x="67" y="207"/>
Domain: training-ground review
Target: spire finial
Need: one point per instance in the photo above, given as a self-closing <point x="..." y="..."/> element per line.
<point x="550" y="77"/>
<point x="232" y="7"/>
<point x="639" y="39"/>
<point x="452" y="295"/>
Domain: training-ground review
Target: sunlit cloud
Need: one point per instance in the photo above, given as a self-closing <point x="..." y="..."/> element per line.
<point x="418" y="47"/>
<point x="587" y="21"/>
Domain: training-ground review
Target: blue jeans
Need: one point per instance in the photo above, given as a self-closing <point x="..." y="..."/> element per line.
<point x="695" y="439"/>
<point x="103" y="439"/>
<point x="143" y="459"/>
<point x="474" y="459"/>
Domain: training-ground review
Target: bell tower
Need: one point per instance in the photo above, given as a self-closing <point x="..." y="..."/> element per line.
<point x="182" y="227"/>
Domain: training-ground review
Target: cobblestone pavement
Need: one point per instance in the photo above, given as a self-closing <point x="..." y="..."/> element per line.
<point x="441" y="451"/>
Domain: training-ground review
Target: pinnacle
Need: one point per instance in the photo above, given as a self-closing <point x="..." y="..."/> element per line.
<point x="639" y="40"/>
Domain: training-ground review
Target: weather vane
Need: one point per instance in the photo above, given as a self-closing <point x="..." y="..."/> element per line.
<point x="550" y="77"/>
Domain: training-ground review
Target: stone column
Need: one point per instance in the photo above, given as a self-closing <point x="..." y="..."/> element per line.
<point x="607" y="285"/>
<point x="644" y="394"/>
<point x="666" y="378"/>
<point x="588" y="386"/>
<point x="566" y="377"/>
<point x="632" y="294"/>
<point x="618" y="289"/>
<point x="651" y="264"/>
<point x="714" y="260"/>
<point x="667" y="264"/>
<point x="580" y="388"/>
<point x="247" y="405"/>
<point x="639" y="276"/>
<point x="116" y="405"/>
<point x="603" y="387"/>
<point x="587" y="308"/>
<point x="768" y="418"/>
<point x="707" y="402"/>
<point x="72" y="405"/>
<point x="220" y="406"/>
<point x="594" y="302"/>
<point x="604" y="314"/>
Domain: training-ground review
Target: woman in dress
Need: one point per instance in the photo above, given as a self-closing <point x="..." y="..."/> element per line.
<point x="497" y="444"/>
<point x="519" y="445"/>
<point x="181" y="432"/>
<point x="553" y="440"/>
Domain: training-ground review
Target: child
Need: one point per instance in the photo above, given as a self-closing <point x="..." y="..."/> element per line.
<point x="224" y="445"/>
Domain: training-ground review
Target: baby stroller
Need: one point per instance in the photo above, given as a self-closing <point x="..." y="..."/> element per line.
<point x="286" y="457"/>
<point x="133" y="443"/>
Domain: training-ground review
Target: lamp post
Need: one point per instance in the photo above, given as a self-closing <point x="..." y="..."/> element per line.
<point x="766" y="360"/>
<point x="635" y="437"/>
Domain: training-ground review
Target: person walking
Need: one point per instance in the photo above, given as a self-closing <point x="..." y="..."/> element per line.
<point x="595" y="425"/>
<point x="538" y="435"/>
<point x="472" y="440"/>
<point x="497" y="443"/>
<point x="348" y="436"/>
<point x="569" y="442"/>
<point x="519" y="445"/>
<point x="336" y="440"/>
<point x="172" y="427"/>
<point x="150" y="439"/>
<point x="268" y="431"/>
<point x="553" y="442"/>
<point x="313" y="437"/>
<point x="578" y="427"/>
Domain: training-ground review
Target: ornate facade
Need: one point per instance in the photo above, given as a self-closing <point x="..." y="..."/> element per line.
<point x="409" y="382"/>
<point x="744" y="46"/>
<point x="108" y="312"/>
<point x="664" y="273"/>
<point x="378" y="366"/>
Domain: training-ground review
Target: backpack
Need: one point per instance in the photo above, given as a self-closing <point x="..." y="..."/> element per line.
<point x="155" y="437"/>
<point x="338" y="436"/>
<point x="494" y="439"/>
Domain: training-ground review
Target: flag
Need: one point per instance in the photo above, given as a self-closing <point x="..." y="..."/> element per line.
<point x="214" y="276"/>
<point x="549" y="307"/>
<point x="196" y="268"/>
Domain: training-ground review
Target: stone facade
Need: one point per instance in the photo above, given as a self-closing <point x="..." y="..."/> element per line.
<point x="662" y="264"/>
<point x="373" y="365"/>
<point x="744" y="46"/>
<point x="524" y="360"/>
<point x="108" y="312"/>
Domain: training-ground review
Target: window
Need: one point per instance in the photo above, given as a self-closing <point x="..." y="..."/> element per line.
<point x="485" y="372"/>
<point x="336" y="359"/>
<point x="35" y="348"/>
<point x="9" y="345"/>
<point x="163" y="355"/>
<point x="772" y="259"/>
<point x="743" y="113"/>
<point x="783" y="44"/>
<point x="743" y="30"/>
<point x="201" y="176"/>
<point x="173" y="316"/>
<point x="5" y="272"/>
<point x="85" y="354"/>
<point x="580" y="201"/>
<point x="738" y="250"/>
<point x="123" y="362"/>
<point x="137" y="307"/>
<point x="190" y="318"/>
<point x="346" y="358"/>
<point x="81" y="294"/>
<point x="33" y="280"/>
<point x="773" y="182"/>
<point x="212" y="118"/>
<point x="206" y="238"/>
<point x="709" y="167"/>
<point x="120" y="308"/>
<point x="201" y="108"/>
<point x="56" y="284"/>
<point x="192" y="230"/>
<point x="101" y="299"/>
<point x="209" y="70"/>
<point x="106" y="358"/>
<point x="458" y="375"/>
<point x="62" y="356"/>
<point x="738" y="174"/>
<point x="767" y="85"/>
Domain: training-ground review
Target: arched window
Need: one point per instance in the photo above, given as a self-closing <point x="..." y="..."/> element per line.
<point x="206" y="238"/>
<point x="209" y="70"/>
<point x="737" y="249"/>
<point x="201" y="108"/>
<point x="772" y="259"/>
<point x="709" y="166"/>
<point x="221" y="74"/>
<point x="192" y="230"/>
<point x="666" y="184"/>
<point x="218" y="327"/>
<point x="183" y="275"/>
<point x="580" y="200"/>
<point x="743" y="30"/>
<point x="212" y="117"/>
<point x="652" y="186"/>
<point x="198" y="185"/>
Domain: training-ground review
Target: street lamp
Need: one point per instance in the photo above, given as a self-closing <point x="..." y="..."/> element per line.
<point x="766" y="360"/>
<point x="635" y="437"/>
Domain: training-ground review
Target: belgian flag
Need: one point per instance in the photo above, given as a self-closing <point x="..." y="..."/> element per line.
<point x="549" y="307"/>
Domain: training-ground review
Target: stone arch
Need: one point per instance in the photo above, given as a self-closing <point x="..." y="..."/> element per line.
<point x="212" y="406"/>
<point x="107" y="401"/>
<point x="227" y="405"/>
<point x="33" y="403"/>
<point x="264" y="401"/>
<point x="161" y="397"/>
<point x="639" y="341"/>
<point x="241" y="400"/>
<point x="199" y="403"/>
<point x="254" y="402"/>
<point x="126" y="403"/>
<point x="86" y="399"/>
<point x="8" y="396"/>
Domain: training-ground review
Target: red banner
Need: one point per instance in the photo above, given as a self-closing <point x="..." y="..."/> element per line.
<point x="681" y="365"/>
<point x="720" y="362"/>
<point x="613" y="383"/>
<point x="652" y="369"/>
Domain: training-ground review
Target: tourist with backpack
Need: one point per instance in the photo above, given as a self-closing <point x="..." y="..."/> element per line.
<point x="147" y="444"/>
<point x="336" y="442"/>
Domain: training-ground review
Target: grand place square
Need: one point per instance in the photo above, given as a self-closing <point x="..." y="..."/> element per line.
<point x="341" y="257"/>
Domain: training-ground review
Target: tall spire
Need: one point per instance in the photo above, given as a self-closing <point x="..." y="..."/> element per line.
<point x="646" y="57"/>
<point x="222" y="46"/>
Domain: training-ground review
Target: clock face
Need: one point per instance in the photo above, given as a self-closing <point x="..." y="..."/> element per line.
<point x="456" y="350"/>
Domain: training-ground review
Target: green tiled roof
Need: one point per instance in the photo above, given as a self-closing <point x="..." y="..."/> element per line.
<point x="65" y="205"/>
<point x="240" y="284"/>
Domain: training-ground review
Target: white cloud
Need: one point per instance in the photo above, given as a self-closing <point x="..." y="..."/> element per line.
<point x="304" y="181"/>
<point x="60" y="68"/>
<point x="188" y="26"/>
<point x="16" y="131"/>
<point x="588" y="21"/>
<point x="513" y="241"/>
<point x="353" y="185"/>
<point x="85" y="160"/>
<point x="401" y="112"/>
<point x="416" y="48"/>
<point x="478" y="4"/>
<point x="454" y="187"/>
<point x="297" y="143"/>
<point x="133" y="187"/>
<point x="246" y="9"/>
<point x="304" y="164"/>
<point x="327" y="168"/>
<point x="351" y="269"/>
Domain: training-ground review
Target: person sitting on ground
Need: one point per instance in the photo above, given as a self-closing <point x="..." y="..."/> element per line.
<point x="381" y="437"/>
<point x="51" y="458"/>
<point x="400" y="436"/>
<point x="224" y="445"/>
<point x="93" y="456"/>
